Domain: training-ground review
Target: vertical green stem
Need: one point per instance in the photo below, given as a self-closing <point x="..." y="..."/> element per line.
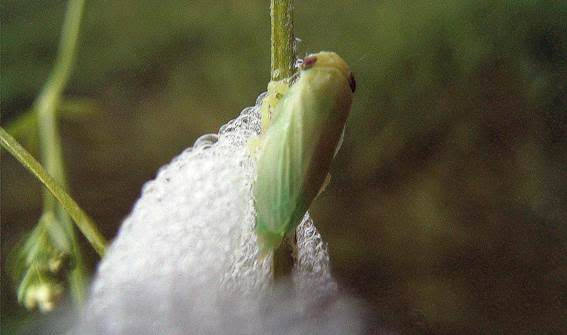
<point x="283" y="39"/>
<point x="50" y="143"/>
<point x="283" y="67"/>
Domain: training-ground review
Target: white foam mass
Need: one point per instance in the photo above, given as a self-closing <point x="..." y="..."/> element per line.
<point x="186" y="259"/>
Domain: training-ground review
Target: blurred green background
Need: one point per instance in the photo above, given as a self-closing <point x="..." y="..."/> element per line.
<point x="448" y="205"/>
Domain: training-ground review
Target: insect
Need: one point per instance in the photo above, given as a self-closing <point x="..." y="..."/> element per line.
<point x="295" y="151"/>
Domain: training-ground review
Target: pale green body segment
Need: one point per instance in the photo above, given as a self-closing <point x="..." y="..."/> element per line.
<point x="296" y="150"/>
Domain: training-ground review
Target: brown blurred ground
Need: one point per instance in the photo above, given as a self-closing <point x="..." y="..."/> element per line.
<point x="448" y="205"/>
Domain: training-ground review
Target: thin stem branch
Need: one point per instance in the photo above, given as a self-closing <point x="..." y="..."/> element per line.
<point x="50" y="142"/>
<point x="85" y="224"/>
<point x="47" y="101"/>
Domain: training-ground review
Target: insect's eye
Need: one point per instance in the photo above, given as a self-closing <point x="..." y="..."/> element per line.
<point x="308" y="62"/>
<point x="352" y="82"/>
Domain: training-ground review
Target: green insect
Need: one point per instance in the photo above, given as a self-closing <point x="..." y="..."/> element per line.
<point x="295" y="151"/>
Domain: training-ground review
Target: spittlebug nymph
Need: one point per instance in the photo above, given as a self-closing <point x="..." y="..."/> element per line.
<point x="295" y="152"/>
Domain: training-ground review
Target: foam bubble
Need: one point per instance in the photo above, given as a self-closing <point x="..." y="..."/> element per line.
<point x="187" y="255"/>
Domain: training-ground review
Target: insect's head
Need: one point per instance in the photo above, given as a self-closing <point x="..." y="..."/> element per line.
<point x="326" y="59"/>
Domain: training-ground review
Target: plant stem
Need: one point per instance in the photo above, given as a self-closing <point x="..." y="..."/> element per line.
<point x="283" y="39"/>
<point x="47" y="101"/>
<point x="50" y="143"/>
<point x="283" y="259"/>
<point x="282" y="67"/>
<point x="85" y="224"/>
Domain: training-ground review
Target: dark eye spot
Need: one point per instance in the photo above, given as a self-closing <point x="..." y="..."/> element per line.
<point x="352" y="82"/>
<point x="308" y="62"/>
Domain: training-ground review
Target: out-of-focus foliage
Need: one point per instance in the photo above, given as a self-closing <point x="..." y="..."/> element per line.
<point x="448" y="202"/>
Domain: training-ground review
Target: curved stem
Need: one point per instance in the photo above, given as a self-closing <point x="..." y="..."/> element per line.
<point x="85" y="224"/>
<point x="47" y="101"/>
<point x="50" y="142"/>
